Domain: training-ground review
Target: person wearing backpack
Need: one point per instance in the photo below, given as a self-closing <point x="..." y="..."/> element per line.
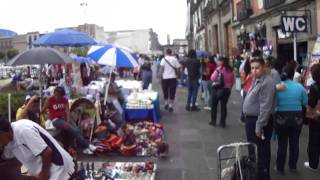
<point x="223" y="81"/>
<point x="313" y="115"/>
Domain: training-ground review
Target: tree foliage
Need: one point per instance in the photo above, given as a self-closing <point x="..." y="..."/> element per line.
<point x="11" y="53"/>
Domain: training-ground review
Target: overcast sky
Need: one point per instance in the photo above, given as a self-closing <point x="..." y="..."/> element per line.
<point x="164" y="16"/>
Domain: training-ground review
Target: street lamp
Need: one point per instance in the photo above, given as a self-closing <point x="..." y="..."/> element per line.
<point x="84" y="6"/>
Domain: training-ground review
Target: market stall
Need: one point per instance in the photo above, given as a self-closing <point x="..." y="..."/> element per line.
<point x="140" y="104"/>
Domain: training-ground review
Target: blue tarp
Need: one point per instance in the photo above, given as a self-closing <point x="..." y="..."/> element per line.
<point x="7" y="33"/>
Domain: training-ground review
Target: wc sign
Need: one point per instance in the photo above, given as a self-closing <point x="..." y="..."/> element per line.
<point x="294" y="23"/>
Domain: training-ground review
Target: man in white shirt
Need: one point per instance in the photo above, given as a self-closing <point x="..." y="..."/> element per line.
<point x="169" y="69"/>
<point x="36" y="149"/>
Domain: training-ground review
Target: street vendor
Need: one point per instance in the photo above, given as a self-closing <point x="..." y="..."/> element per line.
<point x="114" y="90"/>
<point x="30" y="109"/>
<point x="36" y="149"/>
<point x="59" y="114"/>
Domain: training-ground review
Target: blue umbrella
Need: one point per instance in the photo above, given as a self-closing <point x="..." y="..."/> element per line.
<point x="201" y="53"/>
<point x="65" y="37"/>
<point x="112" y="56"/>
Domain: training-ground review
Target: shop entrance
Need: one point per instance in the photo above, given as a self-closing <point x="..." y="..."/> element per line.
<point x="285" y="52"/>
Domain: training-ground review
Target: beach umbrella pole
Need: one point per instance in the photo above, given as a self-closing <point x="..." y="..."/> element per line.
<point x="107" y="88"/>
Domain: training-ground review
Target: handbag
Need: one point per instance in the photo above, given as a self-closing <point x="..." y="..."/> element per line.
<point x="219" y="82"/>
<point x="174" y="68"/>
<point x="313" y="113"/>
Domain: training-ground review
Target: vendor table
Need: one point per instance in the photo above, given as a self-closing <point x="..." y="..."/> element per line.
<point x="144" y="112"/>
<point x="116" y="170"/>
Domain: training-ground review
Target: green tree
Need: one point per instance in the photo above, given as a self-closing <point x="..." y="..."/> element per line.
<point x="12" y="53"/>
<point x="80" y="51"/>
<point x="2" y="56"/>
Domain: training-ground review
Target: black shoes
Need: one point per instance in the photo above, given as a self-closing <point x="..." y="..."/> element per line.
<point x="195" y="108"/>
<point x="166" y="107"/>
<point x="212" y="123"/>
<point x="170" y="109"/>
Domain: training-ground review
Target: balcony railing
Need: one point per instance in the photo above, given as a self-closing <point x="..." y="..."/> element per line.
<point x="243" y="11"/>
<point x="271" y="3"/>
<point x="211" y="6"/>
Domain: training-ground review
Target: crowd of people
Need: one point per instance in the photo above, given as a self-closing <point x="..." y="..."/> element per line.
<point x="275" y="101"/>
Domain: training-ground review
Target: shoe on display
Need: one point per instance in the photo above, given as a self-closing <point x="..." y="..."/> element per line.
<point x="92" y="148"/>
<point x="307" y="165"/>
<point x="87" y="152"/>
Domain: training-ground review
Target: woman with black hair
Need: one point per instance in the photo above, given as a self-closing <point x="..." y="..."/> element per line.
<point x="222" y="92"/>
<point x="314" y="122"/>
<point x="246" y="79"/>
<point x="289" y="119"/>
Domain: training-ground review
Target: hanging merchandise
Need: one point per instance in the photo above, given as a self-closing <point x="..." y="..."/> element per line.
<point x="267" y="50"/>
<point x="253" y="42"/>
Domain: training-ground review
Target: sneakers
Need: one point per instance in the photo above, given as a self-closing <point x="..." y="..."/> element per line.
<point x="92" y="148"/>
<point x="207" y="108"/>
<point x="307" y="165"/>
<point x="87" y="151"/>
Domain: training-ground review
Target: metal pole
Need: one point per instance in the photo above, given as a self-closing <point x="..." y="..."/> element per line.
<point x="9" y="107"/>
<point x="295" y="46"/>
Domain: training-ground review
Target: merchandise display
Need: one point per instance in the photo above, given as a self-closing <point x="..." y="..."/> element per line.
<point x="139" y="139"/>
<point x="115" y="170"/>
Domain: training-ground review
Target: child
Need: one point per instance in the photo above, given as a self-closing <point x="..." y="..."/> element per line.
<point x="86" y="124"/>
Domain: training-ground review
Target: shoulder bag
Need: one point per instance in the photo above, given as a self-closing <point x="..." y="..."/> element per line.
<point x="219" y="81"/>
<point x="175" y="69"/>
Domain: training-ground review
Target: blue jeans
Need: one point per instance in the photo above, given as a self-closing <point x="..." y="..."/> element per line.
<point x="193" y="87"/>
<point x="146" y="79"/>
<point x="73" y="130"/>
<point x="288" y="131"/>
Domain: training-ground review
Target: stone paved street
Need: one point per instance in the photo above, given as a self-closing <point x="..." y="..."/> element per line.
<point x="193" y="143"/>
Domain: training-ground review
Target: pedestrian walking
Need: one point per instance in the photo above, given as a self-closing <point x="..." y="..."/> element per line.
<point x="146" y="72"/>
<point x="257" y="108"/>
<point x="208" y="67"/>
<point x="223" y="81"/>
<point x="314" y="120"/>
<point x="170" y="69"/>
<point x="193" y="67"/>
<point x="288" y="119"/>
